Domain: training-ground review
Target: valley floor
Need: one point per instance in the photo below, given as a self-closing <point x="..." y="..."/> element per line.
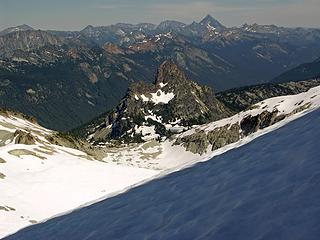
<point x="266" y="189"/>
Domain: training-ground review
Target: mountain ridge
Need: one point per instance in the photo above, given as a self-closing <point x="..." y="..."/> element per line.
<point x="102" y="62"/>
<point x="23" y="27"/>
<point x="171" y="100"/>
<point x="300" y="73"/>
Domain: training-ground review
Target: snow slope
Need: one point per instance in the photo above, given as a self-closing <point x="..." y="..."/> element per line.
<point x="266" y="189"/>
<point x="41" y="180"/>
<point x="284" y="105"/>
<point x="165" y="155"/>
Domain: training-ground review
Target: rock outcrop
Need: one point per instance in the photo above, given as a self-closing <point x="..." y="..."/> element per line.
<point x="200" y="141"/>
<point x="26" y="138"/>
<point x="243" y="98"/>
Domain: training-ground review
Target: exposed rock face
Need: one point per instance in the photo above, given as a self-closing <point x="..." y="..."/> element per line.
<point x="90" y="73"/>
<point x="171" y="100"/>
<point x="252" y="124"/>
<point x="7" y="112"/>
<point x="112" y="48"/>
<point x="200" y="141"/>
<point x="22" y="137"/>
<point x="222" y="136"/>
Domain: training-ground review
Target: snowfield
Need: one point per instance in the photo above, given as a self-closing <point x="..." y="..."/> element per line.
<point x="40" y="181"/>
<point x="266" y="189"/>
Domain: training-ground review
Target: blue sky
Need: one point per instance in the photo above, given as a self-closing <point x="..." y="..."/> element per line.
<point x="76" y="14"/>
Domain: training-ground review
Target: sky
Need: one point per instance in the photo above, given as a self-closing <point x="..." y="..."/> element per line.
<point x="77" y="14"/>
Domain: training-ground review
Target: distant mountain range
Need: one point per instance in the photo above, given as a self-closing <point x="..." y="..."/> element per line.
<point x="66" y="78"/>
<point x="20" y="28"/>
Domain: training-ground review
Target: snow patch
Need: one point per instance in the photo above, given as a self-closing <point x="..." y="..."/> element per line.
<point x="147" y="132"/>
<point x="159" y="97"/>
<point x="162" y="97"/>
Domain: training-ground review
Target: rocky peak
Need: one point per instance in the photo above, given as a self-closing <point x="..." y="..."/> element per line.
<point x="212" y="22"/>
<point x="154" y="111"/>
<point x="169" y="72"/>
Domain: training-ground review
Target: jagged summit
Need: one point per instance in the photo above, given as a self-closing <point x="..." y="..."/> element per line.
<point x="210" y="21"/>
<point x="168" y="72"/>
<point x="150" y="111"/>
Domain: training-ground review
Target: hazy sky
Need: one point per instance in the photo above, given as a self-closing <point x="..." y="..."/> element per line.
<point x="76" y="14"/>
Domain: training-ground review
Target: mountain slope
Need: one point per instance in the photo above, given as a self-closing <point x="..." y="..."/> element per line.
<point x="42" y="174"/>
<point x="64" y="88"/>
<point x="26" y="41"/>
<point x="266" y="189"/>
<point x="302" y="72"/>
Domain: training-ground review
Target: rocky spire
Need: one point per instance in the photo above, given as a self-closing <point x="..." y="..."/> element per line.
<point x="172" y="98"/>
<point x="168" y="72"/>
